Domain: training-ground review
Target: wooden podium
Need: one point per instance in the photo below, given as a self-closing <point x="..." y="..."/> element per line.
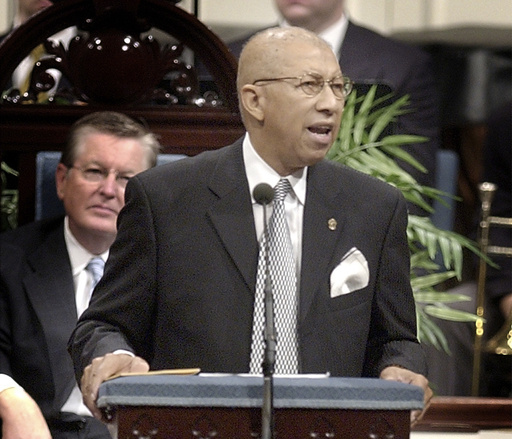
<point x="229" y="407"/>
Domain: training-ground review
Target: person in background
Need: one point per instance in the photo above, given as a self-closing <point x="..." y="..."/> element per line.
<point x="26" y="8"/>
<point x="367" y="57"/>
<point x="46" y="276"/>
<point x="183" y="285"/>
<point x="20" y="414"/>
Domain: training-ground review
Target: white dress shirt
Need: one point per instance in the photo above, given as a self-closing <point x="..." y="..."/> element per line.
<point x="258" y="171"/>
<point x="82" y="278"/>
<point x="6" y="382"/>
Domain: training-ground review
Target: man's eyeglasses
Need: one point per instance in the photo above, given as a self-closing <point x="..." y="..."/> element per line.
<point x="96" y="174"/>
<point x="312" y="84"/>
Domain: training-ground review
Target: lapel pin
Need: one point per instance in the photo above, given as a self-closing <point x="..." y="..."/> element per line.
<point x="332" y="223"/>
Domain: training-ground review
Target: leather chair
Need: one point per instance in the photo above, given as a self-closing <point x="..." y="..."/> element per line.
<point x="447" y="170"/>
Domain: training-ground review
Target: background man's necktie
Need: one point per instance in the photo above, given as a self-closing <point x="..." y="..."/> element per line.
<point x="95" y="267"/>
<point x="283" y="278"/>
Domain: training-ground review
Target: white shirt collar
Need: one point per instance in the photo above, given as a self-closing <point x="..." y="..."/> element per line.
<point x="333" y="35"/>
<point x="258" y="171"/>
<point x="78" y="255"/>
<point x="16" y="20"/>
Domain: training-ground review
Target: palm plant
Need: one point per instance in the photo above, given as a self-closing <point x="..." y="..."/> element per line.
<point x="362" y="145"/>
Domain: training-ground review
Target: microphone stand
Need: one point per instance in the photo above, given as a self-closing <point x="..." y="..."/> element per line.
<point x="269" y="355"/>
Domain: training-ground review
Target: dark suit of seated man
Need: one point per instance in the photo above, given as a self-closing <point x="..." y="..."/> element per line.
<point x="182" y="286"/>
<point x="45" y="281"/>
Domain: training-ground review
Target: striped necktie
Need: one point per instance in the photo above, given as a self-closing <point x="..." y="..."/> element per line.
<point x="95" y="267"/>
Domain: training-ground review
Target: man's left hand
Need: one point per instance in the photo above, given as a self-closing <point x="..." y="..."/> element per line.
<point x="395" y="373"/>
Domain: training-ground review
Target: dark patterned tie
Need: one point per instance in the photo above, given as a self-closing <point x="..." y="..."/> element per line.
<point x="283" y="279"/>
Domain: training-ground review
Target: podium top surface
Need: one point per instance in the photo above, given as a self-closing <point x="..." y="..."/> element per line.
<point x="246" y="391"/>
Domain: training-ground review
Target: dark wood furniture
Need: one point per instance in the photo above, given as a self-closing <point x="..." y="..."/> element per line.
<point x="229" y="406"/>
<point x="467" y="414"/>
<point x="120" y="77"/>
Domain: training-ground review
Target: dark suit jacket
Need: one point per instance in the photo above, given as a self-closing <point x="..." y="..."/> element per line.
<point x="179" y="284"/>
<point x="368" y="57"/>
<point x="37" y="312"/>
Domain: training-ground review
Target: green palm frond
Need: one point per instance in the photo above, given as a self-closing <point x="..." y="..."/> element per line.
<point x="362" y="145"/>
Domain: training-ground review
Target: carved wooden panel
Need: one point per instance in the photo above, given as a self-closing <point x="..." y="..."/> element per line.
<point x="115" y="64"/>
<point x="232" y="423"/>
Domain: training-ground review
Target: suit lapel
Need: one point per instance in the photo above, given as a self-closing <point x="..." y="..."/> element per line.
<point x="232" y="214"/>
<point x="50" y="289"/>
<point x="50" y="286"/>
<point x="233" y="218"/>
<point x="322" y="231"/>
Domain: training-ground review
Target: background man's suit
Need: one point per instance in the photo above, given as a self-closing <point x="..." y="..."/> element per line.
<point x="197" y="213"/>
<point x="367" y="58"/>
<point x="37" y="312"/>
<point x="37" y="315"/>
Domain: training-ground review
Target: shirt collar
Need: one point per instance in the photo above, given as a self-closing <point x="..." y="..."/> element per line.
<point x="78" y="255"/>
<point x="333" y="35"/>
<point x="258" y="171"/>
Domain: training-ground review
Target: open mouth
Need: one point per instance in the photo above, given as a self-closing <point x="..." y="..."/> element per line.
<point x="323" y="133"/>
<point x="321" y="130"/>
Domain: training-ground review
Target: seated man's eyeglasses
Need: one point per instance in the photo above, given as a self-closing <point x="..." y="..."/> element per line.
<point x="312" y="84"/>
<point x="96" y="174"/>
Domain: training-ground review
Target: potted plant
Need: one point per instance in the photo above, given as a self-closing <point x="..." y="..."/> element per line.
<point x="362" y="145"/>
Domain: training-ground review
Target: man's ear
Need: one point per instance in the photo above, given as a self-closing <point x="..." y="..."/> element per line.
<point x="61" y="174"/>
<point x="252" y="101"/>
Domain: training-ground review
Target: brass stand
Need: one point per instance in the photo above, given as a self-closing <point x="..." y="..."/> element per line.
<point x="502" y="342"/>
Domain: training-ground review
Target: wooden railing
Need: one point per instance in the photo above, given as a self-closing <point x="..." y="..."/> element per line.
<point x="466" y="414"/>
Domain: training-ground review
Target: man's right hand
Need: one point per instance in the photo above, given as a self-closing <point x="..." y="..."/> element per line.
<point x="101" y="369"/>
<point x="21" y="416"/>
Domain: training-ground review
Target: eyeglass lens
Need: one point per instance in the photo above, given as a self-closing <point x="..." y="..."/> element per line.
<point x="312" y="85"/>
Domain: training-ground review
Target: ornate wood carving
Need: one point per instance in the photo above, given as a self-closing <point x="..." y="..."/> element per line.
<point x="110" y="61"/>
<point x="127" y="75"/>
<point x="245" y="423"/>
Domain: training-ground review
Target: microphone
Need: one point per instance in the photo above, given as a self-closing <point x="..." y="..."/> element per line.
<point x="263" y="193"/>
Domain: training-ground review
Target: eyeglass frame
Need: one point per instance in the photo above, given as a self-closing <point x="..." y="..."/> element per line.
<point x="102" y="174"/>
<point x="346" y="82"/>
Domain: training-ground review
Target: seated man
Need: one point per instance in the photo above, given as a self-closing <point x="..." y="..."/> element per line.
<point x="46" y="276"/>
<point x="183" y="286"/>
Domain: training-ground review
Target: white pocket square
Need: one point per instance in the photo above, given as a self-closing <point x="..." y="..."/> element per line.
<point x="351" y="274"/>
